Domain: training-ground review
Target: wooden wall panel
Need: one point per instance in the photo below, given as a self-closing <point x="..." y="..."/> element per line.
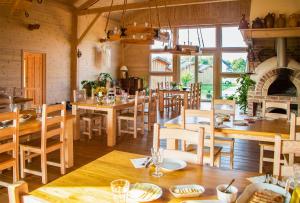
<point x="96" y="57"/>
<point x="53" y="38"/>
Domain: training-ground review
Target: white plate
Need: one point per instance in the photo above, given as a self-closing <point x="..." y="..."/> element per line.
<point x="173" y="164"/>
<point x="192" y="190"/>
<point x="144" y="192"/>
<point x="202" y="201"/>
<point x="250" y="189"/>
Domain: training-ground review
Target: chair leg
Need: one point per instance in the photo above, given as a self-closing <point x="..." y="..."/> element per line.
<point x="44" y="168"/>
<point x="231" y="155"/>
<point x="261" y="156"/>
<point x="62" y="160"/>
<point x="135" y="129"/>
<point x="90" y="129"/>
<point x="143" y="125"/>
<point x="100" y="127"/>
<point x="15" y="172"/>
<point x="22" y="162"/>
<point x="119" y="127"/>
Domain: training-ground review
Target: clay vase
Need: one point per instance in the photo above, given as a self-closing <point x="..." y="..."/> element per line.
<point x="257" y="23"/>
<point x="269" y="20"/>
<point x="281" y="21"/>
<point x="293" y="20"/>
<point x="243" y="23"/>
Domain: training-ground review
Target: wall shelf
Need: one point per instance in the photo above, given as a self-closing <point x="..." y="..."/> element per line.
<point x="263" y="33"/>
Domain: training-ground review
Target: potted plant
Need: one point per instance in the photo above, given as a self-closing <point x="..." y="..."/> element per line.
<point x="88" y="85"/>
<point x="103" y="78"/>
<point x="186" y="79"/>
<point x="242" y="91"/>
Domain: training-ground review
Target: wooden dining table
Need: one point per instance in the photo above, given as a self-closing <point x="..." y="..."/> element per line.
<point x="259" y="130"/>
<point x="110" y="109"/>
<point x="161" y="93"/>
<point x="91" y="183"/>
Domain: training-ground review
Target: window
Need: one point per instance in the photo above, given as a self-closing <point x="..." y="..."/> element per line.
<point x="193" y="36"/>
<point x="161" y="69"/>
<point x="161" y="62"/>
<point x="205" y="76"/>
<point x="187" y="70"/>
<point x="161" y="45"/>
<point x="232" y="37"/>
<point x="234" y="62"/>
<point x="228" y="86"/>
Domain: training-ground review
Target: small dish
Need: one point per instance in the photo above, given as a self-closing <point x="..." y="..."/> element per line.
<point x="173" y="164"/>
<point x="227" y="197"/>
<point x="144" y="192"/>
<point x="24" y="117"/>
<point x="180" y="191"/>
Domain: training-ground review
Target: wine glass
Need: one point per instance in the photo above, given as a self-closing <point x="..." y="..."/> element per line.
<point x="120" y="189"/>
<point x="157" y="159"/>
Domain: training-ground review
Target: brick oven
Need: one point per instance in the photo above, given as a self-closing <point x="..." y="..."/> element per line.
<point x="277" y="79"/>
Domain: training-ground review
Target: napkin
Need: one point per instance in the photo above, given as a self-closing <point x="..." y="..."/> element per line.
<point x="139" y="163"/>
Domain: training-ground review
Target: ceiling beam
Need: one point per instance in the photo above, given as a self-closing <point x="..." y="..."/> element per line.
<point x="145" y="5"/>
<point x="87" y="4"/>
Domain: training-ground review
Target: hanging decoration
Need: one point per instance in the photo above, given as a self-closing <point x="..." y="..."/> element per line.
<point x="134" y="34"/>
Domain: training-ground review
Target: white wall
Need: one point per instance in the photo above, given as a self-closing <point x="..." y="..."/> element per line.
<point x="260" y="8"/>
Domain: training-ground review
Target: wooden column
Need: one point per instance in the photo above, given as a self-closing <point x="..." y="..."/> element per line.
<point x="218" y="63"/>
<point x="74" y="59"/>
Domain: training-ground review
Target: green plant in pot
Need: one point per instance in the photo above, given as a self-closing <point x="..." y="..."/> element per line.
<point x="103" y="78"/>
<point x="89" y="85"/>
<point x="242" y="91"/>
<point x="186" y="78"/>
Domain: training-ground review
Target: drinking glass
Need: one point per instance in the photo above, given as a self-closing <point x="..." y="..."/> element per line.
<point x="296" y="175"/>
<point x="157" y="159"/>
<point x="38" y="111"/>
<point x="120" y="189"/>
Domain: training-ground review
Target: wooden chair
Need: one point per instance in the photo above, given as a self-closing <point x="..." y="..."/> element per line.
<point x="284" y="147"/>
<point x="167" y="98"/>
<point x="267" y="146"/>
<point x="195" y="96"/>
<point x="18" y="193"/>
<point x="9" y="149"/>
<point x="230" y="106"/>
<point x="92" y="121"/>
<point x="172" y="136"/>
<point x="138" y="114"/>
<point x="52" y="139"/>
<point x="208" y="125"/>
<point x="268" y="106"/>
<point x="151" y="109"/>
<point x="6" y="103"/>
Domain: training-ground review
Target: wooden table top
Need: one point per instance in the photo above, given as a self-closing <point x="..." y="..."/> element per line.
<point x="91" y="182"/>
<point x="266" y="128"/>
<point x="117" y="105"/>
<point x="16" y="100"/>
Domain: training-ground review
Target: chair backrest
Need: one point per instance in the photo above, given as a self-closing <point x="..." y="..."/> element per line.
<point x="174" y="135"/>
<point x="230" y="106"/>
<point x="79" y="95"/>
<point x="195" y="93"/>
<point x="152" y="106"/>
<point x="269" y="106"/>
<point x="284" y="147"/>
<point x="139" y="102"/>
<point x="207" y="121"/>
<point x="52" y="124"/>
<point x="11" y="136"/>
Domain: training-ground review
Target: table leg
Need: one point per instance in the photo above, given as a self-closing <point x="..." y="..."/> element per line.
<point x="111" y="127"/>
<point x="69" y="158"/>
<point x="161" y="101"/>
<point x="76" y="122"/>
<point x="186" y="105"/>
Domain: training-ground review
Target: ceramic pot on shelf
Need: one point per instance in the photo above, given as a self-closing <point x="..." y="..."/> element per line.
<point x="281" y="22"/>
<point x="269" y="20"/>
<point x="293" y="20"/>
<point x="257" y="23"/>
